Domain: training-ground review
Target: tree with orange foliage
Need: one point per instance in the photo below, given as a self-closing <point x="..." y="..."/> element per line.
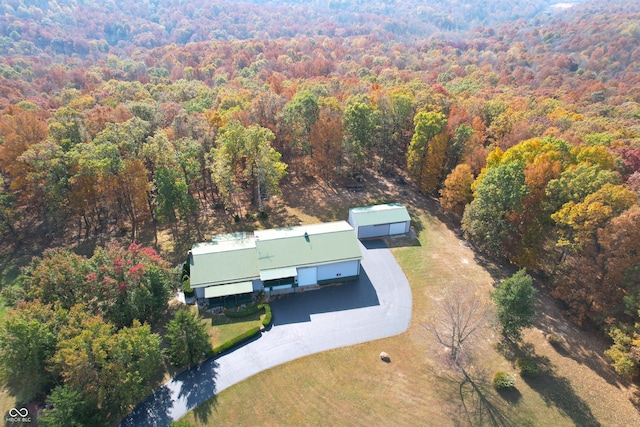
<point x="457" y="193"/>
<point x="326" y="139"/>
<point x="133" y="194"/>
<point x="532" y="220"/>
<point x="18" y="132"/>
<point x="592" y="271"/>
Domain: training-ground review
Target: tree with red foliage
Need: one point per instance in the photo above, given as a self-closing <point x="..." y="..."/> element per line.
<point x="122" y="284"/>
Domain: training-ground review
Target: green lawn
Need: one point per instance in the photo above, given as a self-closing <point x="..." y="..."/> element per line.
<point x="222" y="328"/>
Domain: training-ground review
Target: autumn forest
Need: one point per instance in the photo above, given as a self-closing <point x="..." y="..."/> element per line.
<point x="121" y="116"/>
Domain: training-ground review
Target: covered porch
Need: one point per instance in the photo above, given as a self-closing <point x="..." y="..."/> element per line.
<point x="229" y="295"/>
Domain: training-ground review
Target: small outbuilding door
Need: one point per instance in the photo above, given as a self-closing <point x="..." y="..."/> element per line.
<point x="397" y="228"/>
<point x="373" y="231"/>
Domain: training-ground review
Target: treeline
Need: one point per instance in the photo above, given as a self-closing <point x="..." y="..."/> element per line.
<point x="569" y="212"/>
<point x="89" y="29"/>
<point x="134" y="153"/>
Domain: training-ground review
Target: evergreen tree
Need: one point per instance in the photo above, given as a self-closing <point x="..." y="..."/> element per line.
<point x="188" y="339"/>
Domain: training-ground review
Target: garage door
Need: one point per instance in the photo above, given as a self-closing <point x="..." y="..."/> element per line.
<point x="307" y="276"/>
<point x="373" y="231"/>
<point x="338" y="270"/>
<point x="398" y="228"/>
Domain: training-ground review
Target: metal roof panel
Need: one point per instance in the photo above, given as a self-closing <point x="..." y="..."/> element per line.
<point x="380" y="214"/>
<point x="307" y="245"/>
<point x="229" y="289"/>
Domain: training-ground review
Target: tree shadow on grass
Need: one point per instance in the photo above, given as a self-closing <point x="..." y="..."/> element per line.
<point x="586" y="345"/>
<point x="205" y="410"/>
<point x="474" y="402"/>
<point x="13" y="259"/>
<point x="554" y="389"/>
<point x="558" y="391"/>
<point x="318" y="198"/>
<point x="480" y="405"/>
<point x="277" y="216"/>
<point x="499" y="270"/>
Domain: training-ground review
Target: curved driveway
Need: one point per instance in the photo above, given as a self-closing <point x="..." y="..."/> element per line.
<point x="376" y="306"/>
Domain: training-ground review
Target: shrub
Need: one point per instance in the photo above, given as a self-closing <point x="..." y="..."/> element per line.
<point x="186" y="287"/>
<point x="503" y="380"/>
<point x="622" y="363"/>
<point x="233" y="341"/>
<point x="623" y="353"/>
<point x="528" y="368"/>
<point x="252" y="309"/>
<point x="186" y="267"/>
<point x="554" y="339"/>
<point x="267" y="314"/>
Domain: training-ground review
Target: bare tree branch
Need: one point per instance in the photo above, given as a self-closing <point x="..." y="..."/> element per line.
<point x="459" y="319"/>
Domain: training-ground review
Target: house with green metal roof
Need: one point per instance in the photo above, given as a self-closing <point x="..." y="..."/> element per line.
<point x="226" y="265"/>
<point x="380" y="220"/>
<point x="308" y="255"/>
<point x="278" y="260"/>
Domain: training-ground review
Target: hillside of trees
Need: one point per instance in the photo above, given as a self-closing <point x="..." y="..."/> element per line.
<point x="88" y="29"/>
<point x="528" y="131"/>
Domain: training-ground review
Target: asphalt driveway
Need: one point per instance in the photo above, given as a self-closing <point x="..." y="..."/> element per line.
<point x="376" y="306"/>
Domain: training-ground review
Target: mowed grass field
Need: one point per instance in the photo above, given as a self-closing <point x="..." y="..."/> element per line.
<point x="352" y="386"/>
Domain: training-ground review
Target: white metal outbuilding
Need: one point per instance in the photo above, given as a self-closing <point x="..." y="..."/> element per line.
<point x="380" y="220"/>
